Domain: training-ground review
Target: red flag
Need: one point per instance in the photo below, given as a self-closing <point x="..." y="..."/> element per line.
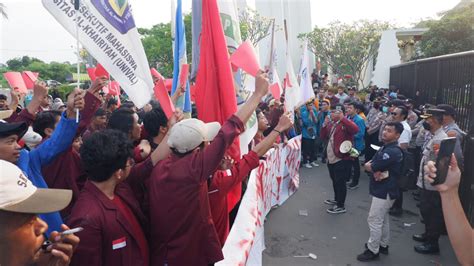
<point x="114" y="88"/>
<point x="91" y="73"/>
<point x="29" y="78"/>
<point x="155" y="73"/>
<point x="100" y="71"/>
<point x="245" y="58"/>
<point x="16" y="82"/>
<point x="183" y="75"/>
<point x="161" y="94"/>
<point x="215" y="93"/>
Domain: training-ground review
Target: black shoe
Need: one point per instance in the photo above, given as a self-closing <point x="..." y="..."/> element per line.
<point x="395" y="212"/>
<point x="416" y="198"/>
<point x="367" y="255"/>
<point x="383" y="250"/>
<point x="419" y="237"/>
<point x="427" y="248"/>
<point x="352" y="186"/>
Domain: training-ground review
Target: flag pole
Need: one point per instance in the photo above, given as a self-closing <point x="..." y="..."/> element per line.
<point x="272" y="45"/>
<point x="76" y="7"/>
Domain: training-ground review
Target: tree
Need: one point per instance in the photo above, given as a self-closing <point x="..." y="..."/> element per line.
<point x="3" y="10"/>
<point x="253" y="26"/>
<point x="453" y="33"/>
<point x="347" y="48"/>
<point x="158" y="45"/>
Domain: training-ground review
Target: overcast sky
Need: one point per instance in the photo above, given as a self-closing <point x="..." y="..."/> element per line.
<point x="31" y="30"/>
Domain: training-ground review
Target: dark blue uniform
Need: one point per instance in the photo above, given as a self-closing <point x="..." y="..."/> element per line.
<point x="388" y="158"/>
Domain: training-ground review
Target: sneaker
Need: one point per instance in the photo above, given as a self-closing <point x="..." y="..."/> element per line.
<point x="315" y="164"/>
<point x="308" y="165"/>
<point x="348" y="182"/>
<point x="383" y="250"/>
<point x="336" y="210"/>
<point x="367" y="255"/>
<point x="352" y="186"/>
<point x="330" y="202"/>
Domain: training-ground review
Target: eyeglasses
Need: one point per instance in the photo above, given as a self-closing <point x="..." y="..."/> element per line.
<point x="394" y="114"/>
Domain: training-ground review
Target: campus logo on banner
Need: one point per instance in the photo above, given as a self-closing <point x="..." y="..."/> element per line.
<point x="107" y="30"/>
<point x="117" y="13"/>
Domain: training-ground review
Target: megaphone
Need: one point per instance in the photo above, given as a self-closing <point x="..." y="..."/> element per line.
<point x="346" y="147"/>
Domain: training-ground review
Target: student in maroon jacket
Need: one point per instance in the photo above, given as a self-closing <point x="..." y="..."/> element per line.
<point x="114" y="225"/>
<point x="336" y="129"/>
<point x="183" y="232"/>
<point x="224" y="181"/>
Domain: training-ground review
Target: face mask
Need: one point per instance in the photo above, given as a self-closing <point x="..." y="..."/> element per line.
<point x="385" y="109"/>
<point x="426" y="125"/>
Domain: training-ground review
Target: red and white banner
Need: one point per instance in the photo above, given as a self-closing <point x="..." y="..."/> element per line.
<point x="272" y="183"/>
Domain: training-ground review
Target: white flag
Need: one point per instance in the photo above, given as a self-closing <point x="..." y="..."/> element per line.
<point x="108" y="32"/>
<point x="307" y="92"/>
<point x="292" y="89"/>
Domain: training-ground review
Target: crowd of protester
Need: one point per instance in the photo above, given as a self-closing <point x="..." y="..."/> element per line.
<point x="150" y="190"/>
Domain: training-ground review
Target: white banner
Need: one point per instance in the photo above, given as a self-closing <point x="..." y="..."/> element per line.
<point x="272" y="183"/>
<point x="108" y="32"/>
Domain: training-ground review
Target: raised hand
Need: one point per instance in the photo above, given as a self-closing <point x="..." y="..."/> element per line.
<point x="261" y="84"/>
<point x="97" y="85"/>
<point x="452" y="179"/>
<point x="61" y="251"/>
<point x="75" y="101"/>
<point x="285" y="122"/>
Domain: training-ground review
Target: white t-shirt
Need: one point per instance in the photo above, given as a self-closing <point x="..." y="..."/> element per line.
<point x="405" y="137"/>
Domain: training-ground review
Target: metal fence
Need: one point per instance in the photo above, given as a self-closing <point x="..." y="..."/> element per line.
<point x="445" y="79"/>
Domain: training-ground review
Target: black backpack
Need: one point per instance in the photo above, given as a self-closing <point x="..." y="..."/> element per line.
<point x="407" y="174"/>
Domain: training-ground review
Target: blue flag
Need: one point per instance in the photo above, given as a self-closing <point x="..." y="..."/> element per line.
<point x="180" y="58"/>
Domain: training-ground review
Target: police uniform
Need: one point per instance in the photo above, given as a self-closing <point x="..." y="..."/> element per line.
<point x="430" y="200"/>
<point x="387" y="159"/>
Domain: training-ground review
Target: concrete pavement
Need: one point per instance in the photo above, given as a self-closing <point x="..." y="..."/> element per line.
<point x="338" y="239"/>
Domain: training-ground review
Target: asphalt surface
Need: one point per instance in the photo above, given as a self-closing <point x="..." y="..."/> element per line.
<point x="338" y="239"/>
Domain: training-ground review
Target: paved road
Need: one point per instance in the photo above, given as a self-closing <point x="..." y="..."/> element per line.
<point x="338" y="239"/>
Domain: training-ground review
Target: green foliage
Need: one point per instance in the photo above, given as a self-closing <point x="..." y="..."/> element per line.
<point x="54" y="70"/>
<point x="346" y="48"/>
<point x="453" y="33"/>
<point x="158" y="45"/>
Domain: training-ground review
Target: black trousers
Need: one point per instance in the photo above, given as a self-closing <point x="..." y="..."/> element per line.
<point x="338" y="173"/>
<point x="309" y="150"/>
<point x="432" y="213"/>
<point x="371" y="139"/>
<point x="355" y="171"/>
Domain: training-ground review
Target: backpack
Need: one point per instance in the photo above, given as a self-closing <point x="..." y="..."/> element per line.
<point x="407" y="173"/>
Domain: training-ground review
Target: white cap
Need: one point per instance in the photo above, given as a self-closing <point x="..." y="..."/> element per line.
<point x="18" y="194"/>
<point x="31" y="138"/>
<point x="188" y="134"/>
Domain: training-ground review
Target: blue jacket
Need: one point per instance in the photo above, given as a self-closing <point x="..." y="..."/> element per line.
<point x="31" y="162"/>
<point x="308" y="122"/>
<point x="359" y="140"/>
<point x="321" y="117"/>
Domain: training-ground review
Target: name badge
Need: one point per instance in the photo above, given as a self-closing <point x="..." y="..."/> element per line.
<point x="119" y="243"/>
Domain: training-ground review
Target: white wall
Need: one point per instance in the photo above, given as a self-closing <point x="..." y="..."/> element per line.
<point x="388" y="56"/>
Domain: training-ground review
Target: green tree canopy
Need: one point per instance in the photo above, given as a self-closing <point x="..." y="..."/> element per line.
<point x="347" y="48"/>
<point x="453" y="33"/>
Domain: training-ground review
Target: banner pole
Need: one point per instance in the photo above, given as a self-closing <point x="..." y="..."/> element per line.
<point x="76" y="7"/>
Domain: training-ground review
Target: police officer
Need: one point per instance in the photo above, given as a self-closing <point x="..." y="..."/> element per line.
<point x="453" y="130"/>
<point x="430" y="201"/>
<point x="386" y="168"/>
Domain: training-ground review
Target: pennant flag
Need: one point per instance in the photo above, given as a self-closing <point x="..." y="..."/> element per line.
<point x="107" y="30"/>
<point x="156" y="74"/>
<point x="168" y="84"/>
<point x="245" y="58"/>
<point x="100" y="71"/>
<point x="292" y="90"/>
<point x="306" y="86"/>
<point x="16" y="82"/>
<point x="29" y="78"/>
<point x="161" y="94"/>
<point x="91" y="73"/>
<point x="114" y="88"/>
<point x="180" y="59"/>
<point x="196" y="15"/>
<point x="183" y="75"/>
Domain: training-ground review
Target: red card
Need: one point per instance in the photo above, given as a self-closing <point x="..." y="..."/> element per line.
<point x="168" y="84"/>
<point x="15" y="80"/>
<point x="163" y="97"/>
<point x="183" y="75"/>
<point x="29" y="78"/>
<point x="114" y="88"/>
<point x="245" y="58"/>
<point x="155" y="73"/>
<point x="275" y="90"/>
<point x="100" y="71"/>
<point x="91" y="73"/>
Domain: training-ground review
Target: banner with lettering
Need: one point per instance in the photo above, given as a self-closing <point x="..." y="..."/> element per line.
<point x="271" y="184"/>
<point x="107" y="30"/>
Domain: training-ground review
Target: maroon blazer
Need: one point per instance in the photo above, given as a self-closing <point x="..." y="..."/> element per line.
<point x="183" y="231"/>
<point x="107" y="238"/>
<point x="66" y="171"/>
<point x="345" y="130"/>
